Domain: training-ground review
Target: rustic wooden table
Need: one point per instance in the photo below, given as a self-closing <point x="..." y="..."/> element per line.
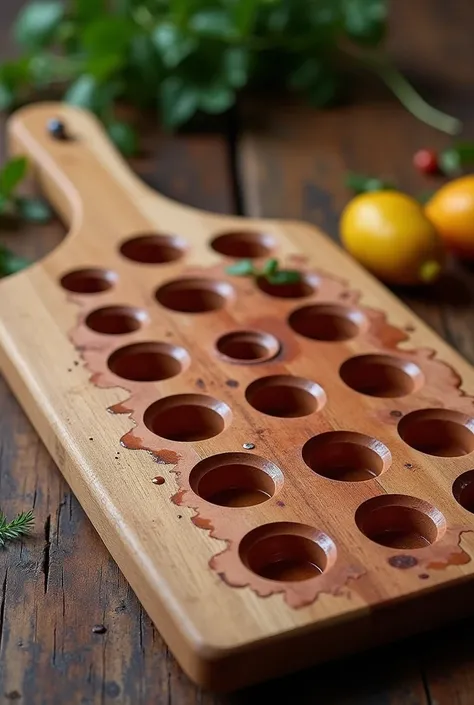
<point x="282" y="161"/>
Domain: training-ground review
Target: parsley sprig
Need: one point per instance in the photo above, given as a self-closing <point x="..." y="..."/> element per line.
<point x="185" y="57"/>
<point x="270" y="270"/>
<point x="15" y="529"/>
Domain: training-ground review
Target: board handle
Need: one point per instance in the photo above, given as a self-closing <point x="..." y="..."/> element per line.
<point x="75" y="166"/>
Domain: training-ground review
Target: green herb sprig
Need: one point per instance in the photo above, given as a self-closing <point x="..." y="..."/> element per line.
<point x="270" y="270"/>
<point x="15" y="529"/>
<point x="182" y="57"/>
<point x="14" y="208"/>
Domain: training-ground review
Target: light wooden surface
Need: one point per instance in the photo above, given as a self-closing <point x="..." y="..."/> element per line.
<point x="166" y="558"/>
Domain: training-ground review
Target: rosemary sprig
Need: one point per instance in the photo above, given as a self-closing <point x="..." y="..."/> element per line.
<point x="270" y="270"/>
<point x="15" y="529"/>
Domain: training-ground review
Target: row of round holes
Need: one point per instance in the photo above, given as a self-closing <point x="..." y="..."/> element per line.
<point x="289" y="551"/>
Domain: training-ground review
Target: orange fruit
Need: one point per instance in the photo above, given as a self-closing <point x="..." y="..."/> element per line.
<point x="451" y="210"/>
<point x="390" y="235"/>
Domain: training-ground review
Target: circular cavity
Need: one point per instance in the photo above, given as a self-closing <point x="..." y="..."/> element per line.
<point x="399" y="521"/>
<point x="296" y="290"/>
<point x="92" y="280"/>
<point x="440" y="432"/>
<point x="243" y="244"/>
<point x="248" y="346"/>
<point x="153" y="249"/>
<point x="187" y="417"/>
<point x="381" y="375"/>
<point x="194" y="295"/>
<point x="327" y="322"/>
<point x="463" y="490"/>
<point x="116" y="320"/>
<point x="148" y="362"/>
<point x="287" y="552"/>
<point x="235" y="479"/>
<point x="346" y="456"/>
<point x="285" y="396"/>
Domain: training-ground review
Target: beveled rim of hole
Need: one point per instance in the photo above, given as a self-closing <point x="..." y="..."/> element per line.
<point x="442" y="433"/>
<point x="287" y="552"/>
<point x="243" y="244"/>
<point x="194" y="295"/>
<point x="285" y="396"/>
<point x="327" y="322"/>
<point x="148" y="361"/>
<point x="247" y="347"/>
<point x="89" y="280"/>
<point x="153" y="248"/>
<point x="378" y="375"/>
<point x="306" y="286"/>
<point x="116" y="320"/>
<point x="187" y="418"/>
<point x="235" y="479"/>
<point x="400" y="521"/>
<point x="463" y="490"/>
<point x="346" y="456"/>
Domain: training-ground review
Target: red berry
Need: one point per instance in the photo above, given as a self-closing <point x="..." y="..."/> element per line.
<point x="426" y="161"/>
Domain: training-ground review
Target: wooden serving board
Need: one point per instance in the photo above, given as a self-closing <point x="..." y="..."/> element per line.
<point x="284" y="473"/>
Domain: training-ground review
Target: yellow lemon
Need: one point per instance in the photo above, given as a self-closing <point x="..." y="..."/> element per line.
<point x="390" y="235"/>
<point x="451" y="210"/>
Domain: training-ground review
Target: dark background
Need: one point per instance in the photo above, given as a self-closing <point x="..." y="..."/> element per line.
<point x="264" y="160"/>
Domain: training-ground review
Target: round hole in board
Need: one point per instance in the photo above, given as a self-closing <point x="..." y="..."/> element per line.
<point x="153" y="249"/>
<point x="287" y="552"/>
<point x="399" y="521"/>
<point x="328" y="322"/>
<point x="285" y="396"/>
<point x="91" y="280"/>
<point x="440" y="432"/>
<point x="381" y="375"/>
<point x="306" y="286"/>
<point x="194" y="295"/>
<point x="248" y="346"/>
<point x="243" y="244"/>
<point x="187" y="417"/>
<point x="463" y="490"/>
<point x="346" y="456"/>
<point x="116" y="320"/>
<point x="235" y="479"/>
<point x="148" y="361"/>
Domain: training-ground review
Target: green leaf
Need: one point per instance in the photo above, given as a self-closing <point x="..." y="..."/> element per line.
<point x="307" y="74"/>
<point x="108" y="35"/>
<point x="178" y="100"/>
<point x="124" y="137"/>
<point x="365" y="20"/>
<point x="11" y="263"/>
<point x="212" y="23"/>
<point x="270" y="267"/>
<point x="172" y="45"/>
<point x="452" y="160"/>
<point x="37" y="23"/>
<point x="235" y="66"/>
<point x="33" y="210"/>
<point x="83" y="92"/>
<point x="103" y="67"/>
<point x="7" y="97"/>
<point x="242" y="268"/>
<point x="245" y="13"/>
<point x="324" y="91"/>
<point x="87" y="10"/>
<point x="359" y="183"/>
<point x="216" y="99"/>
<point x="284" y="277"/>
<point x="11" y="174"/>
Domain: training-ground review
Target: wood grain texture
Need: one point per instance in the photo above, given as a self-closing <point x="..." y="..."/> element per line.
<point x="149" y="674"/>
<point x="166" y="561"/>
